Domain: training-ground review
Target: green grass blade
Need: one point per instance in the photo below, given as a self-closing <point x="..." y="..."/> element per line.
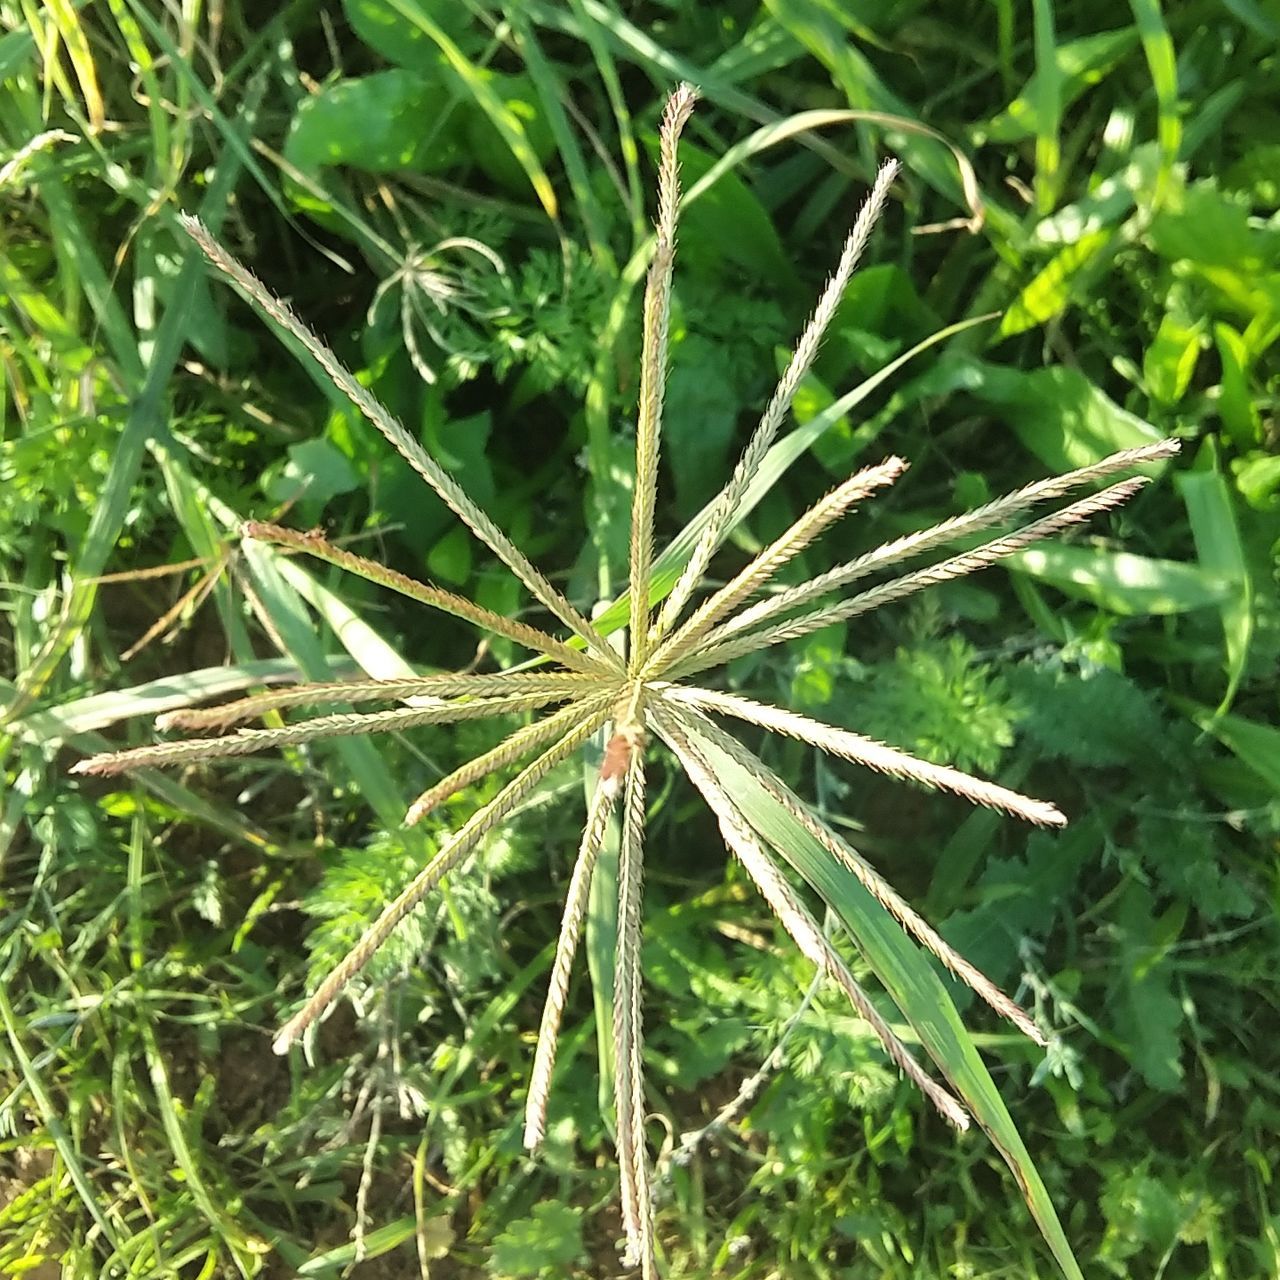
<point x="1048" y="106"/>
<point x="1222" y="557"/>
<point x="552" y="92"/>
<point x="146" y="418"/>
<point x="1162" y="59"/>
<point x="289" y="617"/>
<point x="505" y="121"/>
<point x="1126" y="584"/>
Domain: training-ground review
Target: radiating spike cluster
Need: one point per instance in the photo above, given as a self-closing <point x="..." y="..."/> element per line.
<point x="585" y="687"/>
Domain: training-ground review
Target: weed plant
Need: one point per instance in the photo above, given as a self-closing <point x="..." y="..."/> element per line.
<point x="640" y="692"/>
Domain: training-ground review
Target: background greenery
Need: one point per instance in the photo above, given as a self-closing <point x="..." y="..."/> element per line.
<point x="1120" y="214"/>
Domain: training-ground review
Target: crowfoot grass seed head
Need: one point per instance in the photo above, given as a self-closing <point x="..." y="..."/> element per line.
<point x="638" y="695"/>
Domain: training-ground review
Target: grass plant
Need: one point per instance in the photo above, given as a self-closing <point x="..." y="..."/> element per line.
<point x="638" y="694"/>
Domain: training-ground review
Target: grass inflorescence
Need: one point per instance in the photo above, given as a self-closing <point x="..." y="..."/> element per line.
<point x="640" y="695"/>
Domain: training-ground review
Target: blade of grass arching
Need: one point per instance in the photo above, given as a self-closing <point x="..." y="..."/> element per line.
<point x="52" y="1122"/>
<point x="1222" y="557"/>
<point x="1120" y="581"/>
<point x="552" y="91"/>
<point x="474" y="81"/>
<point x="821" y="33"/>
<point x="666" y="66"/>
<point x="640" y="48"/>
<point x="910" y="981"/>
<point x="152" y="698"/>
<point x="780" y="457"/>
<point x="46" y="726"/>
<point x="146" y="417"/>
<point x="804" y="121"/>
<point x="1162" y="59"/>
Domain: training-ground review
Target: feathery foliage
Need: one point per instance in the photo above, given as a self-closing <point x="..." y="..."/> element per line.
<point x="638" y="696"/>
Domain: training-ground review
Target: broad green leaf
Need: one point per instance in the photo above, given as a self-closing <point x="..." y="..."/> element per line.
<point x="1258" y="479"/>
<point x="1170" y="361"/>
<point x="1124" y="583"/>
<point x="450" y="559"/>
<point x="1107" y="204"/>
<point x="1060" y="415"/>
<point x="548" y="1242"/>
<point x="402" y="42"/>
<point x="1235" y="399"/>
<point x="1147" y="1014"/>
<point x="1077" y="66"/>
<point x="380" y="123"/>
<point x="315" y="472"/>
<point x="910" y="981"/>
<point x="1206" y="227"/>
<point x="1049" y="294"/>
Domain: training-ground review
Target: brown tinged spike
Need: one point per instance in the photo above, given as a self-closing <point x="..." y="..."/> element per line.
<point x="316" y="544"/>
